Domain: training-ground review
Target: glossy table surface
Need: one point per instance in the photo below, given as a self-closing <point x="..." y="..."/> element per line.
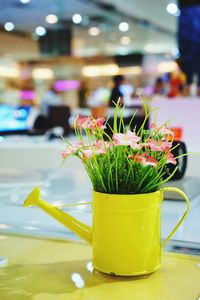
<point x="48" y="269"/>
<point x="42" y="269"/>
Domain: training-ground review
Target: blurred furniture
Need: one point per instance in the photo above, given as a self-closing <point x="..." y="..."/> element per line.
<point x="59" y="116"/>
<point x="40" y="126"/>
<point x="180" y="149"/>
<point x="181" y="161"/>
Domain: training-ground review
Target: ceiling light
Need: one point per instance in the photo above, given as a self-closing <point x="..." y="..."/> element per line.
<point x="9" y="71"/>
<point x="51" y="19"/>
<point x="125" y="40"/>
<point x="100" y="70"/>
<point x="76" y="19"/>
<point x="42" y="73"/>
<point x="167" y="67"/>
<point x="123" y="26"/>
<point x="172" y="9"/>
<point x="24" y="1"/>
<point x="94" y="31"/>
<point x="40" y="31"/>
<point x="130" y="70"/>
<point x="9" y="26"/>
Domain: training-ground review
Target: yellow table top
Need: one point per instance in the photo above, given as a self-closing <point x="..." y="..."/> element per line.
<point x="41" y="269"/>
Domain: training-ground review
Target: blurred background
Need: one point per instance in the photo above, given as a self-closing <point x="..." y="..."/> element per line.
<point x="60" y="58"/>
<point x="87" y="53"/>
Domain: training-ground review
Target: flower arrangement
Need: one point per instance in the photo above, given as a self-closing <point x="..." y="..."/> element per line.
<point x="128" y="162"/>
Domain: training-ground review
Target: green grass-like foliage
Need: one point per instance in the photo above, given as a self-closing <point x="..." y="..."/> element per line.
<point x="126" y="162"/>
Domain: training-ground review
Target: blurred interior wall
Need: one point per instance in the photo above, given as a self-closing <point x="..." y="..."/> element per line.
<point x="20" y="47"/>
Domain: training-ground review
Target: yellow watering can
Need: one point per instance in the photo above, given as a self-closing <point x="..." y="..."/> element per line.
<point x="126" y="230"/>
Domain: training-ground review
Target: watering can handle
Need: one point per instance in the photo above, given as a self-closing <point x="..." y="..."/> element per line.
<point x="184" y="196"/>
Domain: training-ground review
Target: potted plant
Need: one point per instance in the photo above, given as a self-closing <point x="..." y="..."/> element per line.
<point x="127" y="174"/>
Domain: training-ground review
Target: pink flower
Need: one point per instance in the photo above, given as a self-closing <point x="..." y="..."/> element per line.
<point x="66" y="153"/>
<point x="100" y="151"/>
<point x="151" y="161"/>
<point x="90" y="123"/>
<point x="71" y="149"/>
<point x="133" y="136"/>
<point x="144" y="159"/>
<point x="87" y="153"/>
<point x="99" y="144"/>
<point x="167" y="146"/>
<point x="170" y="158"/>
<point x="159" y="145"/>
<point x="139" y="158"/>
<point x="84" y="122"/>
<point x="163" y="130"/>
<point x="99" y="147"/>
<point x="126" y="139"/>
<point x="100" y="122"/>
<point x="80" y="121"/>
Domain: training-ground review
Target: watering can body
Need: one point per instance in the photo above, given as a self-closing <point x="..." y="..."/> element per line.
<point x="125" y="233"/>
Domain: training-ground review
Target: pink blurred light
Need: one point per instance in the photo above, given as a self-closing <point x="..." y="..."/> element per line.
<point x="66" y="85"/>
<point x="148" y="90"/>
<point x="27" y="95"/>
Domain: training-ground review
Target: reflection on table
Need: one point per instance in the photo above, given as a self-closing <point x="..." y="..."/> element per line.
<point x="48" y="269"/>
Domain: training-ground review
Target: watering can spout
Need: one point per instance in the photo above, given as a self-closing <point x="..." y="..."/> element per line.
<point x="81" y="229"/>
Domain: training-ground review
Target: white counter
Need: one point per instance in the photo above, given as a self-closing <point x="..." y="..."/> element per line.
<point x="182" y="112"/>
<point x="35" y="153"/>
